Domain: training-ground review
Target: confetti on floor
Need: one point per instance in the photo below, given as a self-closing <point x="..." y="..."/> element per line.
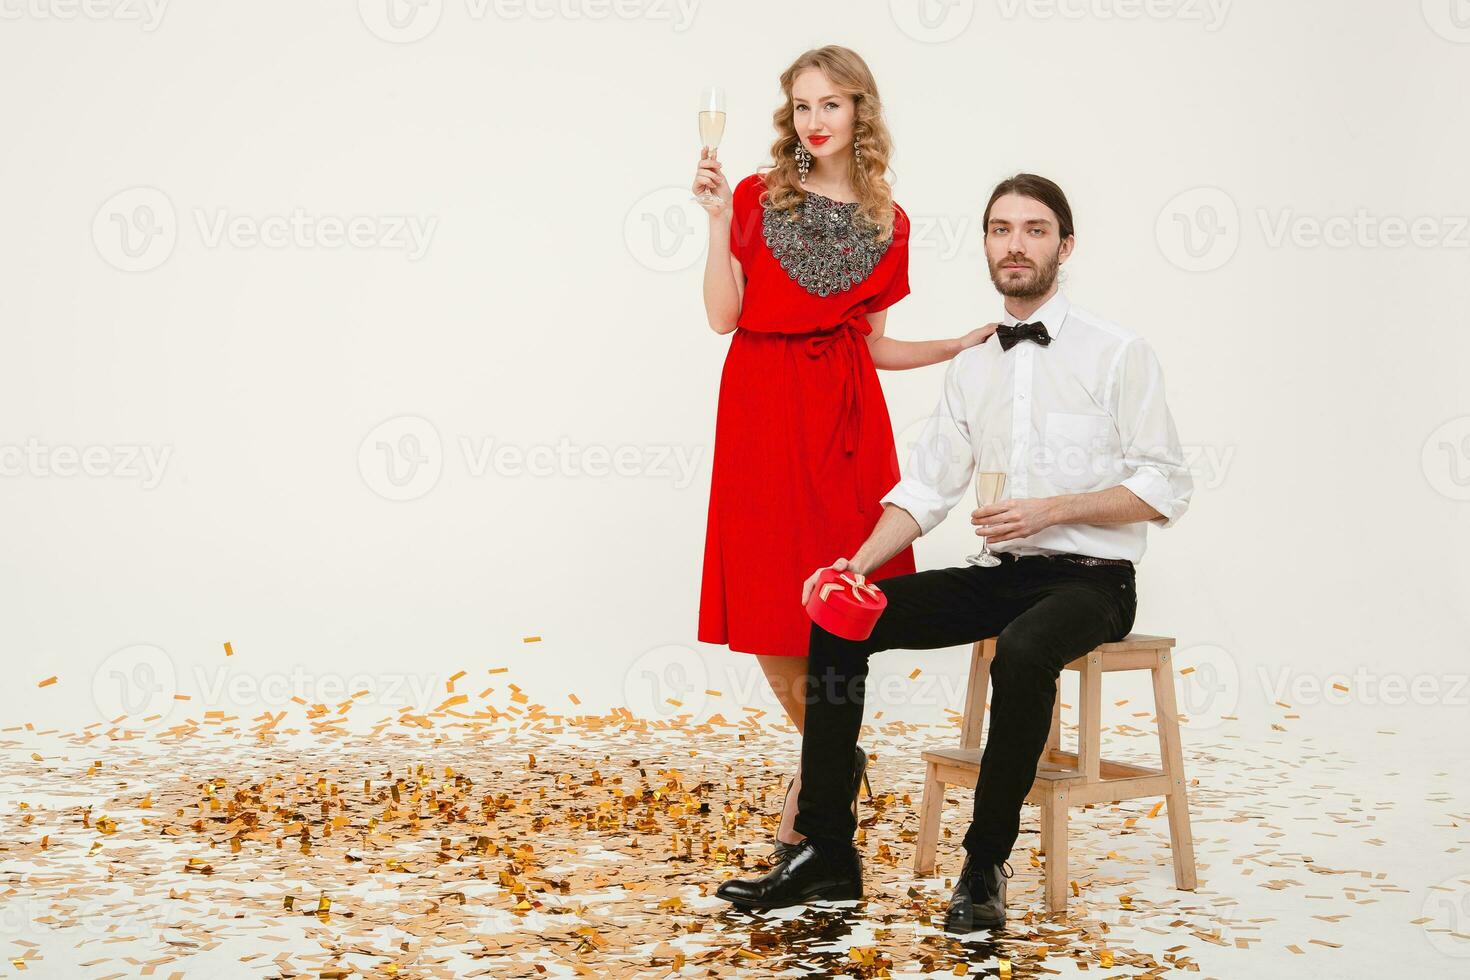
<point x="504" y="841"/>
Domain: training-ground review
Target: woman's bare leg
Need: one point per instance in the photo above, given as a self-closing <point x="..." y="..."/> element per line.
<point x="787" y="679"/>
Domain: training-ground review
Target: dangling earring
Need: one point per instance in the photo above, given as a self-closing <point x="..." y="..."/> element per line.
<point x="803" y="162"/>
<point x="857" y="148"/>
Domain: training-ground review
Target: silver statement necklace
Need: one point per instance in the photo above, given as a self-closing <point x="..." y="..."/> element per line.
<point x="823" y="248"/>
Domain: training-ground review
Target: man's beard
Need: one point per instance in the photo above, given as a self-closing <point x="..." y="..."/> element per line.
<point x="1037" y="285"/>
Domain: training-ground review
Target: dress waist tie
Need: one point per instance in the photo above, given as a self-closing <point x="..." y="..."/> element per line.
<point x="843" y="340"/>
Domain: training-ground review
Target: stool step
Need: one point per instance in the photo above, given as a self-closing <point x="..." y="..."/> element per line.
<point x="1053" y="761"/>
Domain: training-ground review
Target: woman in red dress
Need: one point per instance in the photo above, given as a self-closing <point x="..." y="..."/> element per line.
<point x="804" y="260"/>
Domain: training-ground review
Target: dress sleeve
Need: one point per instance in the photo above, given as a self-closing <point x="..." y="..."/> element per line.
<point x="897" y="258"/>
<point x="744" y="212"/>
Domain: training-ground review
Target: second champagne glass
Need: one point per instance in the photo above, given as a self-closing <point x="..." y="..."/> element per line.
<point x="990" y="487"/>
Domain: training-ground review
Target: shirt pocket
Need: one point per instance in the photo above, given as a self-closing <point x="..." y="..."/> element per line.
<point x="1082" y="450"/>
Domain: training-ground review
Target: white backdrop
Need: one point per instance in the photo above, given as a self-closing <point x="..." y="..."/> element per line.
<point x="282" y="279"/>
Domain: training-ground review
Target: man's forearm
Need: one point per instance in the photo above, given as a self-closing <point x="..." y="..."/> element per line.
<point x="1115" y="505"/>
<point x="895" y="531"/>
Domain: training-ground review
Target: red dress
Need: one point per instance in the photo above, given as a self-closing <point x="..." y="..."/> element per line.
<point x="803" y="443"/>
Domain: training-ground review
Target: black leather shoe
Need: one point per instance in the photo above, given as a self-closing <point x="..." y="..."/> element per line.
<point x="806" y="876"/>
<point x="782" y="851"/>
<point x="979" y="899"/>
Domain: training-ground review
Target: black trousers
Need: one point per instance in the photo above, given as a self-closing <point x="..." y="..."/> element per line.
<point x="1045" y="612"/>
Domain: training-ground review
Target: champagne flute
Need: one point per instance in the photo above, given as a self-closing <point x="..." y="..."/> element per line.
<point x="990" y="487"/>
<point x="711" y="129"/>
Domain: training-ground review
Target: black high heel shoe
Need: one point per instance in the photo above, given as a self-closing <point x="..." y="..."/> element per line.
<point x="782" y="850"/>
<point x="860" y="778"/>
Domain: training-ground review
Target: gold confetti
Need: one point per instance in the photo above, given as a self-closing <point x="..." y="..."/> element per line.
<point x="435" y="819"/>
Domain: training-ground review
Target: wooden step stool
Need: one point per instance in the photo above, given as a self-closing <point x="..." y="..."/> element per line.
<point x="1066" y="779"/>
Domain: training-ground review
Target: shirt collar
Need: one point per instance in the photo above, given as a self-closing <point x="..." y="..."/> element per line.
<point x="1052" y="313"/>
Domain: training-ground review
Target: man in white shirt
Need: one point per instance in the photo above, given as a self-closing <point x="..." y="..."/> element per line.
<point x="1070" y="407"/>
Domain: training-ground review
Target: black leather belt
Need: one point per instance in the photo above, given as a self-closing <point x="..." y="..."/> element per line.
<point x="1068" y="557"/>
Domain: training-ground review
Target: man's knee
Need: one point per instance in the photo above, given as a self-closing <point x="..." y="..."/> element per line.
<point x="1024" y="655"/>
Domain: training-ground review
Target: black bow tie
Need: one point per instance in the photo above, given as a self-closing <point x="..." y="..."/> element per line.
<point x="1010" y="336"/>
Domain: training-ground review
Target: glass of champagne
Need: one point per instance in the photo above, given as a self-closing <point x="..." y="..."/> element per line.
<point x="990" y="487"/>
<point x="711" y="128"/>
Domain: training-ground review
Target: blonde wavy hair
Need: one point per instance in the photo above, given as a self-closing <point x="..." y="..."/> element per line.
<point x="849" y="73"/>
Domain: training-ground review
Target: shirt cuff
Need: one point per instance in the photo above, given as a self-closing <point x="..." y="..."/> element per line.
<point x="926" y="511"/>
<point x="1152" y="487"/>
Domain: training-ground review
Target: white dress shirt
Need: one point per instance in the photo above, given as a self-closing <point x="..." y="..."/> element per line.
<point x="1084" y="413"/>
